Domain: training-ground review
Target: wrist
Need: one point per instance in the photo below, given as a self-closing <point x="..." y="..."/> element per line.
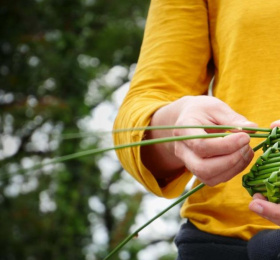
<point x="170" y="165"/>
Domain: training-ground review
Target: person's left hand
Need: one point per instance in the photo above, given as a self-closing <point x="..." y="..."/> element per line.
<point x="265" y="209"/>
<point x="261" y="206"/>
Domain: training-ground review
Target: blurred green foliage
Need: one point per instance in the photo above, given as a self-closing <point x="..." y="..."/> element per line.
<point x="50" y="52"/>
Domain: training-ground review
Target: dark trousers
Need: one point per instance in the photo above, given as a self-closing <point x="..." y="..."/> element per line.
<point x="194" y="244"/>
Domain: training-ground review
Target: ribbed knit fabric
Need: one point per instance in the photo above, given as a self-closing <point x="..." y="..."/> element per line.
<point x="194" y="244"/>
<point x="265" y="246"/>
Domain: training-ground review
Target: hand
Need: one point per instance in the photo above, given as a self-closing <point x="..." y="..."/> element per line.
<point x="265" y="209"/>
<point x="212" y="160"/>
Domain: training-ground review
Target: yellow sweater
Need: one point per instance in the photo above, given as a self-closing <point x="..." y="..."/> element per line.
<point x="185" y="44"/>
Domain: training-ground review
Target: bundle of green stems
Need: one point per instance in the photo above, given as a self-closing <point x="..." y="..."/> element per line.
<point x="264" y="176"/>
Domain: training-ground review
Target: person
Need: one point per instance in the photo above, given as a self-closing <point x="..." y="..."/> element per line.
<point x="185" y="45"/>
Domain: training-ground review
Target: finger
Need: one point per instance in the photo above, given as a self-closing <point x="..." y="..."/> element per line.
<point x="266" y="209"/>
<point x="224" y="115"/>
<point x="275" y="123"/>
<point x="214" y="146"/>
<point x="219" y="113"/>
<point x="243" y="161"/>
<point x="218" y="146"/>
<point x="259" y="196"/>
<point x="217" y="169"/>
<point x="234" y="119"/>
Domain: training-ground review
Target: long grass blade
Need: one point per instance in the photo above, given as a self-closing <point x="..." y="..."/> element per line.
<point x="135" y="233"/>
<point x="68" y="136"/>
<point x="117" y="147"/>
<point x="218" y="127"/>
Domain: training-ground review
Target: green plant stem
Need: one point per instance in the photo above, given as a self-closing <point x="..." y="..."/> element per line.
<point x="269" y="165"/>
<point x="68" y="136"/>
<point x="218" y="127"/>
<point x="268" y="170"/>
<point x="259" y="146"/>
<point x="141" y="143"/>
<point x="272" y="160"/>
<point x="135" y="233"/>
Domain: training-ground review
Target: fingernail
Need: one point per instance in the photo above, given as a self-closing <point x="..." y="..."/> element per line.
<point x="255" y="196"/>
<point x="246" y="153"/>
<point x="256" y="207"/>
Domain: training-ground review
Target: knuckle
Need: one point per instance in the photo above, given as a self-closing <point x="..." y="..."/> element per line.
<point x="199" y="148"/>
<point x="232" y="162"/>
<point x="275" y="214"/>
<point x="176" y="132"/>
<point x="212" y="183"/>
<point x="227" y="147"/>
<point x="191" y="143"/>
<point x="178" y="150"/>
<point x="197" y="170"/>
<point x="202" y="172"/>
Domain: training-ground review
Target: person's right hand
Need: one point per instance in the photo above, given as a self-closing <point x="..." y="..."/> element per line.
<point x="212" y="161"/>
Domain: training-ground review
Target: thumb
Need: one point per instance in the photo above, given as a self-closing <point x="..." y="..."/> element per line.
<point x="227" y="116"/>
<point x="275" y="123"/>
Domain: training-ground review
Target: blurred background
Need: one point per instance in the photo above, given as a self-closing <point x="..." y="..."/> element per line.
<point x="65" y="67"/>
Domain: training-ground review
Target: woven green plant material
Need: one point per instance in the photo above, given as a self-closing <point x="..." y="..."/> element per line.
<point x="264" y="176"/>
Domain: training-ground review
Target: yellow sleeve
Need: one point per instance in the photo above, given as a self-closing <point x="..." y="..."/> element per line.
<point x="173" y="63"/>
